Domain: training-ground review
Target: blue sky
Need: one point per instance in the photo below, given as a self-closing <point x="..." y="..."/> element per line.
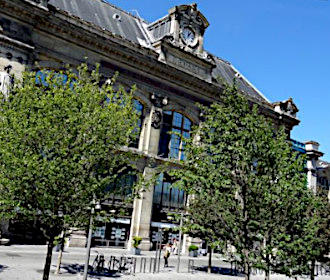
<point x="281" y="46"/>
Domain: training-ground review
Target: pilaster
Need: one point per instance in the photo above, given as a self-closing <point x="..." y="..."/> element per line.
<point x="142" y="206"/>
<point x="313" y="154"/>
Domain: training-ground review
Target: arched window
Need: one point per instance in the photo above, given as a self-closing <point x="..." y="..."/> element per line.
<point x="41" y="77"/>
<point x="171" y="145"/>
<point x="134" y="141"/>
<point x="139" y="109"/>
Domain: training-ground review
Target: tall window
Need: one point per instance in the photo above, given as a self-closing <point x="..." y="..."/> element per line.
<point x="172" y="145"/>
<point x="122" y="188"/>
<point x="139" y="109"/>
<point x="165" y="196"/>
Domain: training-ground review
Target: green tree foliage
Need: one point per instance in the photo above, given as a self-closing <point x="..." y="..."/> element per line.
<point x="61" y="136"/>
<point x="307" y="240"/>
<point x="245" y="182"/>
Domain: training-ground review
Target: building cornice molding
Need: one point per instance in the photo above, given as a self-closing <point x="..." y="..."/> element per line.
<point x="12" y="42"/>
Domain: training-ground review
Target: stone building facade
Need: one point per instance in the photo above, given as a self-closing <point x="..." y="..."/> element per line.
<point x="167" y="61"/>
<point x="323" y="177"/>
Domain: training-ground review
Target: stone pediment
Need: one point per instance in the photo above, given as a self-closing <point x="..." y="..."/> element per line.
<point x="177" y="55"/>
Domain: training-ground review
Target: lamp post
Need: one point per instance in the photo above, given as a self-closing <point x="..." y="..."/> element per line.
<point x="179" y="249"/>
<point x="89" y="239"/>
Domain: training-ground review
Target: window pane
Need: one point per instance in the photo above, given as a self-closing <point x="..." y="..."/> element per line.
<point x="175" y="141"/>
<point x="181" y="198"/>
<point x="158" y="190"/>
<point x="139" y="109"/>
<point x="171" y="146"/>
<point x="174" y="153"/>
<point x="187" y="124"/>
<point x="174" y="197"/>
<point x="138" y="106"/>
<point x="177" y="119"/>
<point x="186" y="134"/>
<point x="166" y="194"/>
<point x="164" y="141"/>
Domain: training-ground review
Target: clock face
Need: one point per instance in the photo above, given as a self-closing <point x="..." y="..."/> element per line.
<point x="188" y="35"/>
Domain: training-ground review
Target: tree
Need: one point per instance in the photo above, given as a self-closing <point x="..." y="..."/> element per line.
<point x="307" y="241"/>
<point x="61" y="135"/>
<point x="242" y="175"/>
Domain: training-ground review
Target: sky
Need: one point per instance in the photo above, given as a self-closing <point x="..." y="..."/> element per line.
<point x="281" y="46"/>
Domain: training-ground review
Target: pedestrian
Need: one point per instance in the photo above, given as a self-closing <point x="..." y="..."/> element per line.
<point x="167" y="253"/>
<point x="175" y="247"/>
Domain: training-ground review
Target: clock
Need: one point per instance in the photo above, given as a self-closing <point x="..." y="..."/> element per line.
<point x="188" y="36"/>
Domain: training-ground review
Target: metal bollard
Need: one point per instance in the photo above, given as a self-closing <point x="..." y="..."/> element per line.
<point x="112" y="262"/>
<point x="190" y="266"/>
<point x="152" y="265"/>
<point x="134" y="265"/>
<point x="122" y="260"/>
<point x="143" y="265"/>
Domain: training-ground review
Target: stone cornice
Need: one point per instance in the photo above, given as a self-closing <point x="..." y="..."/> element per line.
<point x="16" y="43"/>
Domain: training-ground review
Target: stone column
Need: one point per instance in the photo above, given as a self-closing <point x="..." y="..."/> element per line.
<point x="6" y="81"/>
<point x="142" y="206"/>
<point x="313" y="154"/>
<point x="141" y="217"/>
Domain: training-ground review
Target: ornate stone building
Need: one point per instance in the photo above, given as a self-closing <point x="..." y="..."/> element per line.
<point x="167" y="61"/>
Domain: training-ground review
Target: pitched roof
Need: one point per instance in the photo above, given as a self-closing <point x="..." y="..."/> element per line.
<point x="228" y="73"/>
<point x="104" y="15"/>
<point x="137" y="30"/>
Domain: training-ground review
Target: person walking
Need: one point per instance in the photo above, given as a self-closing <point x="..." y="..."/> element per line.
<point x="175" y="247"/>
<point x="167" y="253"/>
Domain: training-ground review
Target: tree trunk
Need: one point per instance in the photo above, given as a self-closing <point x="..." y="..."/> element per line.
<point x="60" y="253"/>
<point x="267" y="274"/>
<point x="246" y="265"/>
<point x="313" y="270"/>
<point x="209" y="268"/>
<point x="246" y="270"/>
<point x="267" y="271"/>
<point x="48" y="258"/>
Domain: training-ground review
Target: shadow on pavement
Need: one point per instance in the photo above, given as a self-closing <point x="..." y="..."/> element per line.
<point x="3" y="267"/>
<point x="220" y="270"/>
<point x="76" y="268"/>
<point x="71" y="268"/>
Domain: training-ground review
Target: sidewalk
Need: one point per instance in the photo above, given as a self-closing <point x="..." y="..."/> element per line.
<point x="25" y="262"/>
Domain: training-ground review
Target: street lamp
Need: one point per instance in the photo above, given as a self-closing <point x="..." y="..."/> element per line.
<point x="95" y="206"/>
<point x="180" y="239"/>
<point x="179" y="249"/>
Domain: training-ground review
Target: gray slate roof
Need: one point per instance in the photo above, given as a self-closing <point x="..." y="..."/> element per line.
<point x="104" y="15"/>
<point x="129" y="27"/>
<point x="227" y="73"/>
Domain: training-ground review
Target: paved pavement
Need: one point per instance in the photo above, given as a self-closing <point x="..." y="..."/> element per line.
<point x="26" y="263"/>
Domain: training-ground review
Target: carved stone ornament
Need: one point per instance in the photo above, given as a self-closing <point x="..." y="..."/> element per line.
<point x="156" y="119"/>
<point x="41" y="2"/>
<point x="191" y="16"/>
<point x="287" y="107"/>
<point x="6" y="81"/>
<point x="158" y="101"/>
